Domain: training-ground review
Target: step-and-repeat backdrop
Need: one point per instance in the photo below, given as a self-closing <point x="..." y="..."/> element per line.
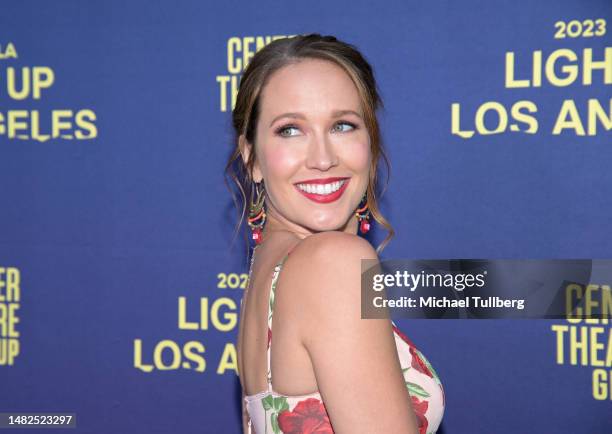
<point x="119" y="285"/>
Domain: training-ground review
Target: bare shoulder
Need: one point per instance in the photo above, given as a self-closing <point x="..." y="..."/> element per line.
<point x="333" y="248"/>
<point x="350" y="356"/>
<point x="324" y="274"/>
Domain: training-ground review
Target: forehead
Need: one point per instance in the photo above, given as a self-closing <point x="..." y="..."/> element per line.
<point x="311" y="86"/>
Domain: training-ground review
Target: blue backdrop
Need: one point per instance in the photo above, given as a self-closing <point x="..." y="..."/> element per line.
<point x="119" y="290"/>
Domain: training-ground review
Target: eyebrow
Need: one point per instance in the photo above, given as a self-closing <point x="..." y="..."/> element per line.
<point x="295" y="115"/>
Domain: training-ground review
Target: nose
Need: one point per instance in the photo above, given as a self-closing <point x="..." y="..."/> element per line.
<point x="321" y="153"/>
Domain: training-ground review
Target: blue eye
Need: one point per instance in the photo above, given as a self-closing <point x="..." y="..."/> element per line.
<point x="282" y="131"/>
<point x="342" y="130"/>
<point x="292" y="130"/>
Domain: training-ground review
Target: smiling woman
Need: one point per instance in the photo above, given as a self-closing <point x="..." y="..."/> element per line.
<point x="325" y="136"/>
<point x="307" y="151"/>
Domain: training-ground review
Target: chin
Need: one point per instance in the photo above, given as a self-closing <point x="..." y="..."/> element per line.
<point x="328" y="225"/>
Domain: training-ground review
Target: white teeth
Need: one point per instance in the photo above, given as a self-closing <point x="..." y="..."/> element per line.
<point x="322" y="189"/>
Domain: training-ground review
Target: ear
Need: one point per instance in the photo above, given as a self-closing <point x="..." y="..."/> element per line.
<point x="245" y="148"/>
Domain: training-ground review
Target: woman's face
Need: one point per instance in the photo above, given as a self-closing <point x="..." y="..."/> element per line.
<point x="313" y="148"/>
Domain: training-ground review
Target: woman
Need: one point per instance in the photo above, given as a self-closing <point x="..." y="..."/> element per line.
<point x="308" y="146"/>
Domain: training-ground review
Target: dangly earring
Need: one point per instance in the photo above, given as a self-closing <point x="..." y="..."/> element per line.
<point x="257" y="213"/>
<point x="363" y="214"/>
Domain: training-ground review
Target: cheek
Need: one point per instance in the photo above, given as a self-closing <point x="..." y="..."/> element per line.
<point x="358" y="156"/>
<point x="281" y="162"/>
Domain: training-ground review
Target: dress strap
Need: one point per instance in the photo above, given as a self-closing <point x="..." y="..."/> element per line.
<point x="277" y="270"/>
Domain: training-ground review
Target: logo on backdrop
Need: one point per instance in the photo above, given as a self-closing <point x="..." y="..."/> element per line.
<point x="216" y="314"/>
<point x="588" y="343"/>
<point x="585" y="339"/>
<point x="30" y="84"/>
<point x="561" y="68"/>
<point x="10" y="295"/>
<point x="240" y="50"/>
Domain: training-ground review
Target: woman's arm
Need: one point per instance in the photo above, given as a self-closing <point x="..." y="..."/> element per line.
<point x="355" y="360"/>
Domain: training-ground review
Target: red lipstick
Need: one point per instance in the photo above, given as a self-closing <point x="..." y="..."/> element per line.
<point x="324" y="198"/>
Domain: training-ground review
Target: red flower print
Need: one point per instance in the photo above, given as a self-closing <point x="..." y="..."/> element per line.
<point x="418" y="363"/>
<point x="420" y="407"/>
<point x="269" y="336"/>
<point x="402" y="335"/>
<point x="308" y="417"/>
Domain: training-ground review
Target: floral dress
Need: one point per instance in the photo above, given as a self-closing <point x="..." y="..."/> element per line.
<point x="272" y="413"/>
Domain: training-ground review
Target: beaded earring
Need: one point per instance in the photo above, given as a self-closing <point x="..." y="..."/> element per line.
<point x="257" y="213"/>
<point x="363" y="214"/>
